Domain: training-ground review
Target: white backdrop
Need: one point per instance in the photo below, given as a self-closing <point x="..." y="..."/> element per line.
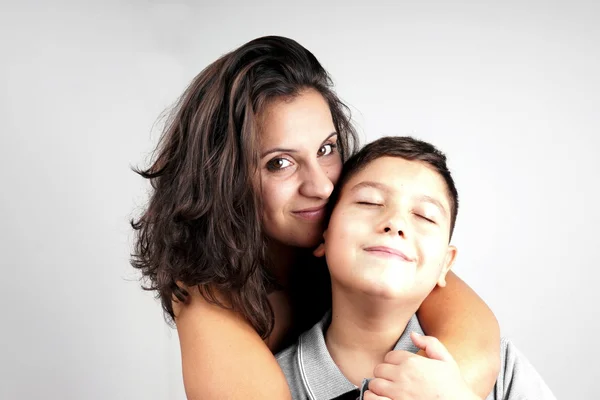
<point x="510" y="91"/>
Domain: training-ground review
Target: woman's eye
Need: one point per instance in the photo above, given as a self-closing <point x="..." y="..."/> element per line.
<point x="326" y="150"/>
<point x="277" y="164"/>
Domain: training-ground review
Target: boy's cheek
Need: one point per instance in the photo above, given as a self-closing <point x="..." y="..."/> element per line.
<point x="343" y="240"/>
<point x="434" y="245"/>
<point x="349" y="232"/>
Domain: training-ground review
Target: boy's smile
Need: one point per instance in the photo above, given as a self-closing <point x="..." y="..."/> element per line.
<point x="388" y="252"/>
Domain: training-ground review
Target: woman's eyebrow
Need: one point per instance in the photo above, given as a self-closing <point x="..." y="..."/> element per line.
<point x="278" y="150"/>
<point x="330" y="136"/>
<point x="283" y="150"/>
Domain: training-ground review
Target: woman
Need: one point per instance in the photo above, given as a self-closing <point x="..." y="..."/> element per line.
<point x="240" y="182"/>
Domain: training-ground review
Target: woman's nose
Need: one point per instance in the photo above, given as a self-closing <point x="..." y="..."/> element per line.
<point x="316" y="183"/>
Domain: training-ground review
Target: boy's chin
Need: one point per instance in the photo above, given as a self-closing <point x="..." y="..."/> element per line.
<point x="385" y="293"/>
<point x="379" y="290"/>
<point x="405" y="292"/>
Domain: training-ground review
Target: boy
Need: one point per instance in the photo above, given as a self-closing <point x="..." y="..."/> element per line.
<point x="387" y="246"/>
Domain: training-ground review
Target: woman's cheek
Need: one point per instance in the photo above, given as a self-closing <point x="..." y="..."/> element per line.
<point x="334" y="172"/>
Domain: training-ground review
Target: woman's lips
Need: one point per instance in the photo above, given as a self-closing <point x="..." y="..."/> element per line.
<point x="311" y="214"/>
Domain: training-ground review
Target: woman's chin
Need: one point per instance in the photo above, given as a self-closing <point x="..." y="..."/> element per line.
<point x="309" y="243"/>
<point x="301" y="241"/>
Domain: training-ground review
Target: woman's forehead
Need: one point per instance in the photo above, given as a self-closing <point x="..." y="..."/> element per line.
<point x="290" y="121"/>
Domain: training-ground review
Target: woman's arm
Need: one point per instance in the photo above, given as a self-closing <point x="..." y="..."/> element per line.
<point x="223" y="357"/>
<point x="462" y="321"/>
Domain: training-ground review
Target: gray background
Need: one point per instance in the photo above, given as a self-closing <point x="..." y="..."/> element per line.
<point x="510" y="90"/>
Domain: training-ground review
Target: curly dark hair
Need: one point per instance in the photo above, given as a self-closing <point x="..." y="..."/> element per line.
<point x="202" y="225"/>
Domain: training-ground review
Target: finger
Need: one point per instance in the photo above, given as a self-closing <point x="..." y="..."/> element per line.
<point x="397" y="357"/>
<point x="432" y="347"/>
<point x="386" y="371"/>
<point x="372" y="396"/>
<point x="382" y="387"/>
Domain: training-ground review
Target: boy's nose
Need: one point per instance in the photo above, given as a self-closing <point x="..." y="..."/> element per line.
<point x="388" y="229"/>
<point x="395" y="223"/>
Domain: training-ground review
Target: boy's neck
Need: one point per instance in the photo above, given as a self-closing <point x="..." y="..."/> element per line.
<point x="363" y="330"/>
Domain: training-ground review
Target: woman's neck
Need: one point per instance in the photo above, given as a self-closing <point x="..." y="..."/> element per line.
<point x="281" y="259"/>
<point x="301" y="292"/>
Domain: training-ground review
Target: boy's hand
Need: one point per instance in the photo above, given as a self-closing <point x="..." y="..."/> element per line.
<point x="406" y="376"/>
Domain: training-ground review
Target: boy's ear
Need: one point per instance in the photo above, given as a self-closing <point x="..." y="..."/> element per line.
<point x="448" y="263"/>
<point x="320" y="250"/>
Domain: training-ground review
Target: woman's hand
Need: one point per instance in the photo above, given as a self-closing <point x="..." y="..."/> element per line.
<point x="406" y="376"/>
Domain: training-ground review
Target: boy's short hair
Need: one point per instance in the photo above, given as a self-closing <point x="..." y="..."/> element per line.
<point x="405" y="147"/>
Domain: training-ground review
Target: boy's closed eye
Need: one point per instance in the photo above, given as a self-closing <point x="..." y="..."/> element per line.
<point x="369" y="197"/>
<point x="371" y="203"/>
<point x="425" y="218"/>
<point x="428" y="213"/>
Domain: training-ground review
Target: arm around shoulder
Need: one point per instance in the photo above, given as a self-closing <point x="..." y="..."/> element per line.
<point x="223" y="357"/>
<point x="461" y="320"/>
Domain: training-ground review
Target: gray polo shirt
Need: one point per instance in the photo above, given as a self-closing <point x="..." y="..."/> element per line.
<point x="312" y="374"/>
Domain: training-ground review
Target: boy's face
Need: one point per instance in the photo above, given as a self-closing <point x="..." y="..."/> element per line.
<point x="388" y="234"/>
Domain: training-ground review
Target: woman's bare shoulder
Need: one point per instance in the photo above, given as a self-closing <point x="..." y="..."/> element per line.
<point x="223" y="356"/>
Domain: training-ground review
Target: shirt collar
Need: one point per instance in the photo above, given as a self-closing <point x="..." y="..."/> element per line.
<point x="320" y="375"/>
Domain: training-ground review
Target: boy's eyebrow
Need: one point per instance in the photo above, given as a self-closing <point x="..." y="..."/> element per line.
<point x="371" y="184"/>
<point x="434" y="201"/>
<point x="282" y="150"/>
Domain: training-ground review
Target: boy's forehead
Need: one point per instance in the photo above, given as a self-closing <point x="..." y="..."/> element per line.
<point x="395" y="174"/>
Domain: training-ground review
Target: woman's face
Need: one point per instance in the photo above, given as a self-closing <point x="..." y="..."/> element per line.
<point x="299" y="165"/>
